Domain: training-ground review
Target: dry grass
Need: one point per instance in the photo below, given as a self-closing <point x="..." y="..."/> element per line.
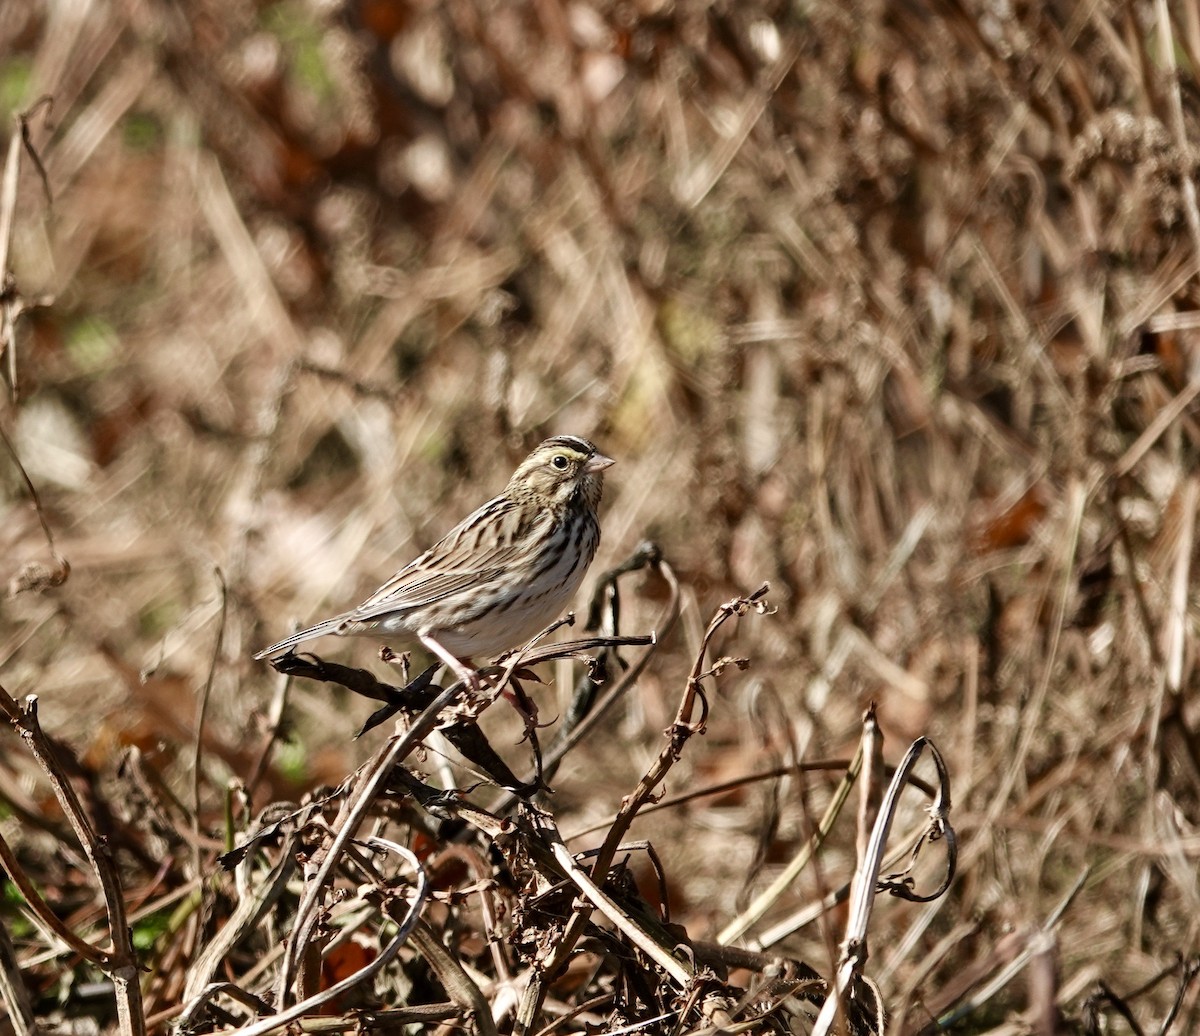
<point x="891" y="304"/>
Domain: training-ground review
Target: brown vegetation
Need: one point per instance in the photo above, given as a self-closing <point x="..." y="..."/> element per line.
<point x="890" y="305"/>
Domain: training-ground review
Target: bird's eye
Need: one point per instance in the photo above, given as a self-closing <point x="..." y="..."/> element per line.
<point x="560" y="462"/>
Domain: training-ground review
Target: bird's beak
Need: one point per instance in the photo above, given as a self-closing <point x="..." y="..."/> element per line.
<point x="598" y="463"/>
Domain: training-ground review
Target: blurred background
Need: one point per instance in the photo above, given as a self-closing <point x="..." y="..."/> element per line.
<point x="893" y="305"/>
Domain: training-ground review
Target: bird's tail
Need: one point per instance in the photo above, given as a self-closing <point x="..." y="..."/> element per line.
<point x="333" y="625"/>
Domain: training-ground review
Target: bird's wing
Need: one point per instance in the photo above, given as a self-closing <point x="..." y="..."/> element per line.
<point x="478" y="550"/>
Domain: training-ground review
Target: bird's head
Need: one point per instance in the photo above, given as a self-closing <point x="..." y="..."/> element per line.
<point x="561" y="469"/>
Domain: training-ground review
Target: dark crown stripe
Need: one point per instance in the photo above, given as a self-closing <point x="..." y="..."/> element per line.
<point x="573" y="442"/>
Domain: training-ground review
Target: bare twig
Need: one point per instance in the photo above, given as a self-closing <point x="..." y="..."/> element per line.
<point x="624" y="923"/>
<point x="849" y="768"/>
<point x="122" y="959"/>
<point x="647" y="554"/>
<point x="201" y="713"/>
<point x="43" y="911"/>
<point x="681" y="730"/>
<point x="866" y="877"/>
<point x="1189" y="970"/>
<point x="13" y="993"/>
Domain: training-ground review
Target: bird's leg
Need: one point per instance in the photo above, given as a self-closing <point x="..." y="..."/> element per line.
<point x="476" y="683"/>
<point x="465" y="673"/>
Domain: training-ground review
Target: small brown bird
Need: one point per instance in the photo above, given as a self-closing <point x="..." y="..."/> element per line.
<point x="498" y="577"/>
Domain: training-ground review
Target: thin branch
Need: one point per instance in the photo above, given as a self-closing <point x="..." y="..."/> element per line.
<point x="44" y="913"/>
<point x="122" y="964"/>
<point x="624" y="923"/>
<point x="13" y="993"/>
<point x="201" y="713"/>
